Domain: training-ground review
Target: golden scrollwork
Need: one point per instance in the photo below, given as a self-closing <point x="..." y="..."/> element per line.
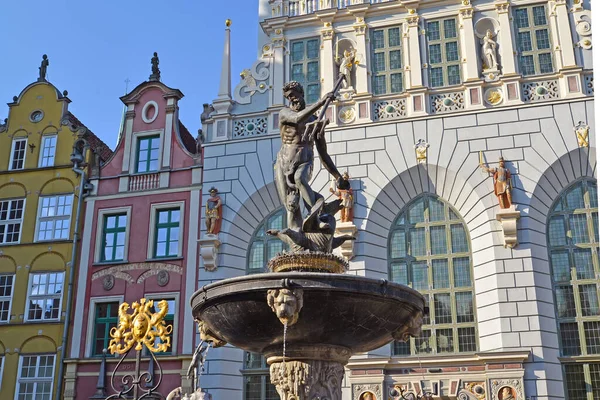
<point x="141" y="327"/>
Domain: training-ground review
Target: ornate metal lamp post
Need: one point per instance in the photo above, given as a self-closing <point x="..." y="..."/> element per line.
<point x="140" y="329"/>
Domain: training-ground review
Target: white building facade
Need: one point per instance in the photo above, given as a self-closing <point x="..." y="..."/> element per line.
<point x="513" y="294"/>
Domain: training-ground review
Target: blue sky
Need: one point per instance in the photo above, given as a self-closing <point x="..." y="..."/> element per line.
<point x="94" y="46"/>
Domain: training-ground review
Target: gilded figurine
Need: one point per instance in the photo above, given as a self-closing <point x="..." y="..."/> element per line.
<point x="502" y="182"/>
<point x="214" y="212"/>
<point x="44" y="67"/>
<point x="345" y="64"/>
<point x="489" y="49"/>
<point x="582" y="131"/>
<point x="347" y="198"/>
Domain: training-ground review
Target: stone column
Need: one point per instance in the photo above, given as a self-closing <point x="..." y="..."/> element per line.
<point x="506" y="48"/>
<point x="309" y="373"/>
<point x="468" y="45"/>
<point x="362" y="73"/>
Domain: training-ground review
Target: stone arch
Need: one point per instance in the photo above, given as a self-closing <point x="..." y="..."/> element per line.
<point x="38" y="345"/>
<point x="49" y="260"/>
<point x="381" y="199"/>
<point x="7" y="264"/>
<point x="12" y="190"/>
<point x="57" y="185"/>
<point x="49" y="129"/>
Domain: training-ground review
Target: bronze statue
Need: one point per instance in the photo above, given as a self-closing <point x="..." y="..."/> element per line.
<point x="155" y="76"/>
<point x="43" y="67"/>
<point x="300" y="131"/>
<point x="502" y="183"/>
<point x="214" y="212"/>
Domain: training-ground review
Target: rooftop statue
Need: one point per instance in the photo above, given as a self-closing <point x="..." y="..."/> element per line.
<point x="301" y="131"/>
<point x="43" y="68"/>
<point x="155" y="76"/>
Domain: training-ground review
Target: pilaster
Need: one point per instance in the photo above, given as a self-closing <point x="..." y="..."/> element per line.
<point x="468" y="45"/>
<point x="505" y="38"/>
<point x="415" y="78"/>
<point x="565" y="40"/>
<point x="362" y="72"/>
<point x="327" y="67"/>
<point x="279" y="43"/>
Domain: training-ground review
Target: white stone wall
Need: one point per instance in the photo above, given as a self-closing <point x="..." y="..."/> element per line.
<point x="515" y="306"/>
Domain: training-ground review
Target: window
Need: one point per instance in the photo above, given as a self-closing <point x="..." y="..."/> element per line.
<point x="147" y="154"/>
<point x="444" y="53"/>
<point x="167" y="233"/>
<point x="106" y="316"/>
<point x="386" y="60"/>
<point x="113" y="237"/>
<point x="533" y="40"/>
<point x="11" y="219"/>
<point x="48" y="151"/>
<point x="304" y="59"/>
<point x="54" y="217"/>
<point x="257" y="384"/>
<point x="36" y="374"/>
<point x="17" y="154"/>
<point x="44" y="296"/>
<point x="573" y="246"/>
<point x="429" y="251"/>
<point x="6" y="292"/>
<point x="265" y="247"/>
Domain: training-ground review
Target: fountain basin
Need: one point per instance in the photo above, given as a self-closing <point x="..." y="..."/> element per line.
<point x="344" y="314"/>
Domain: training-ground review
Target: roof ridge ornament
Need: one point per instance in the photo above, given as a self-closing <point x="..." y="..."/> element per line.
<point x="43" y="68"/>
<point x="155" y="76"/>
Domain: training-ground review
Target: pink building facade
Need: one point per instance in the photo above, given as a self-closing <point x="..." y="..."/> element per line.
<point x="140" y="239"/>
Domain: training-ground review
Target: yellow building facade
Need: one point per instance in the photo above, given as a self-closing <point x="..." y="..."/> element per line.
<point x="39" y="197"/>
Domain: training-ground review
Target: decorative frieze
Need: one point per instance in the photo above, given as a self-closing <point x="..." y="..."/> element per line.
<point x="540" y="90"/>
<point x="250" y="127"/>
<point x="446" y="102"/>
<point x="389" y="109"/>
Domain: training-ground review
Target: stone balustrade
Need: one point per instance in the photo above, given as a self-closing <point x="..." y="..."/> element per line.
<point x="294" y="8"/>
<point x="144" y="182"/>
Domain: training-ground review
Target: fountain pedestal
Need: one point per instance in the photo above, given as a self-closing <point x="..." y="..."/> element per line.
<point x="308" y="380"/>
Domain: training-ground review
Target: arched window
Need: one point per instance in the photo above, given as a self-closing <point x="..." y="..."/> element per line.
<point x="429" y="250"/>
<point x="573" y="253"/>
<point x="264" y="247"/>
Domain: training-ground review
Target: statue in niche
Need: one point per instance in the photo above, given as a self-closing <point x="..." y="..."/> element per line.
<point x="502" y="182"/>
<point x="44" y="67"/>
<point x="214" y="212"/>
<point x="347" y="198"/>
<point x="345" y="64"/>
<point x="489" y="51"/>
<point x="506" y="393"/>
<point x="155" y="76"/>
<point x="300" y="132"/>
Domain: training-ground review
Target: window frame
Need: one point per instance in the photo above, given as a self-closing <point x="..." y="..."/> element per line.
<point x="44" y="297"/>
<point x="53" y="218"/>
<point x="532" y="29"/>
<point x="36" y="379"/>
<point x="442" y="42"/>
<point x="89" y="339"/>
<point x="13" y="221"/>
<point x="12" y="153"/>
<point x="262" y="372"/>
<point x="107" y="338"/>
<point x="153" y="229"/>
<point x="428" y="259"/>
<point x="570" y="246"/>
<point x="99" y="246"/>
<point x="149" y="137"/>
<point x="266" y="239"/>
<point x="387" y="72"/>
<point x="43" y="147"/>
<point x="168" y="296"/>
<point x="9" y="299"/>
<point x="304" y="62"/>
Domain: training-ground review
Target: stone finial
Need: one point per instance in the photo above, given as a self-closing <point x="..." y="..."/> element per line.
<point x="43" y="68"/>
<point x="155" y="76"/>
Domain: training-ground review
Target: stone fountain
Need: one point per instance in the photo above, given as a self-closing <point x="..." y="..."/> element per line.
<point x="307" y="316"/>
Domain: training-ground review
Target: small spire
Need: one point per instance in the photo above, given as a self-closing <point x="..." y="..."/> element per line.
<point x="43" y="68"/>
<point x="223" y="101"/>
<point x="155" y="76"/>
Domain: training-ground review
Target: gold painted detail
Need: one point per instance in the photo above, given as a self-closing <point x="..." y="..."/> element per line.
<point x="141" y="327"/>
<point x="582" y="130"/>
<point x="308" y="262"/>
<point x="228" y="22"/>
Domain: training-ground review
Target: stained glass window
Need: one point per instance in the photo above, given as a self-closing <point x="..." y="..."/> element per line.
<point x="264" y="247"/>
<point x="533" y="40"/>
<point x="304" y="57"/>
<point x="444" y="53"/>
<point x="573" y="252"/>
<point x="430" y="251"/>
<point x="386" y="61"/>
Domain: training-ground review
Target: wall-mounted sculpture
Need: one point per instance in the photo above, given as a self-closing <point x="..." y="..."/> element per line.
<point x="582" y="130"/>
<point x="214" y="212"/>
